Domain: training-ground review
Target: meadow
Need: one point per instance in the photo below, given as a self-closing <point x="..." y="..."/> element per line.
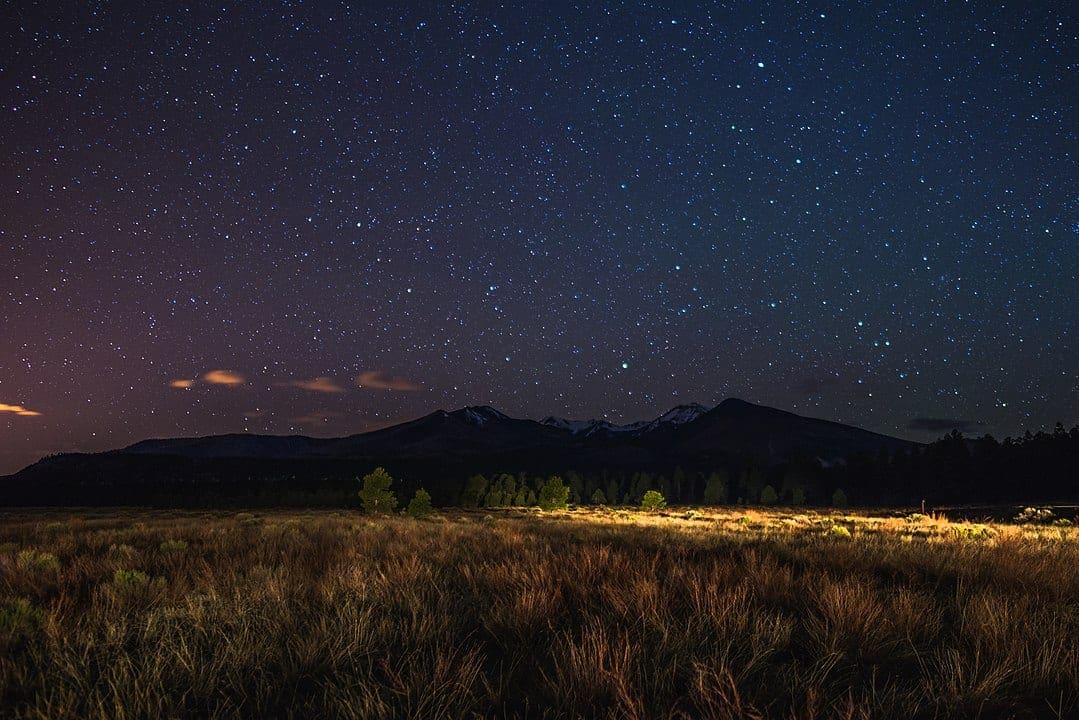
<point x="725" y="613"/>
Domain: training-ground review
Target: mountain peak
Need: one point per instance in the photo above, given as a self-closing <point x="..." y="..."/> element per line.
<point x="681" y="414"/>
<point x="479" y="415"/>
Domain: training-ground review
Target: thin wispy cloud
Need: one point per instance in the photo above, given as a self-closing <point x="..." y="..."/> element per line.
<point x="224" y="377"/>
<point x="315" y="418"/>
<point x="320" y="384"/>
<point x="18" y="410"/>
<point x="380" y="380"/>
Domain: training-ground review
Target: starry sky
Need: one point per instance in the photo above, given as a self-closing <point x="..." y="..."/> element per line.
<point x="322" y="219"/>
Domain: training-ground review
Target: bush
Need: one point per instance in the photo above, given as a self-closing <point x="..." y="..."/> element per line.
<point x="129" y="580"/>
<point x="1034" y="515"/>
<point x="653" y="500"/>
<point x="136" y="585"/>
<point x="973" y="532"/>
<point x="37" y="561"/>
<point x="420" y="504"/>
<point x="554" y="495"/>
<point x="838" y="531"/>
<point x="173" y="546"/>
<point x="19" y="619"/>
<point x="376" y="495"/>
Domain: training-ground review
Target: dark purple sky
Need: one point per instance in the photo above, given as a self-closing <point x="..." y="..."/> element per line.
<point x="322" y="219"/>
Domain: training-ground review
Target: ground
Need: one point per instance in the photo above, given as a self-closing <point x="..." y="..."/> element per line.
<point x="600" y="613"/>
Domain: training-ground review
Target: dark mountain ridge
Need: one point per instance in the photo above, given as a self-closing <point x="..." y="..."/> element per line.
<point x="736" y="449"/>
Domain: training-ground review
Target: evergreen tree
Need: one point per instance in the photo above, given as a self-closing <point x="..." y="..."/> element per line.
<point x="798" y="497"/>
<point x="653" y="500"/>
<point x="375" y="495"/>
<point x="576" y="487"/>
<point x="642" y="483"/>
<point x="598" y="498"/>
<point x="473" y="494"/>
<point x="715" y="489"/>
<point x="752" y="483"/>
<point x="678" y="484"/>
<point x="521" y="499"/>
<point x="493" y="498"/>
<point x="509" y="489"/>
<point x="554" y="495"/>
<point x="614" y="491"/>
<point x="420" y="504"/>
<point x="769" y="496"/>
<point x="839" y="498"/>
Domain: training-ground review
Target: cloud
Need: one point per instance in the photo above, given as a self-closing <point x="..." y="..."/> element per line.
<point x="315" y="418"/>
<point x="380" y="380"/>
<point x="933" y="424"/>
<point x="182" y="384"/>
<point x="18" y="410"/>
<point x="320" y="384"/>
<point x="224" y="377"/>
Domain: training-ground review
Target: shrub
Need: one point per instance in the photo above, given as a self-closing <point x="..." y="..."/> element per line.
<point x="376" y="495"/>
<point x="173" y="546"/>
<point x="653" y="500"/>
<point x="19" y="619"/>
<point x="973" y="532"/>
<point x="1034" y="515"/>
<point x="130" y="580"/>
<point x="420" y="504"/>
<point x="838" y="531"/>
<point x="37" y="561"/>
<point x="554" y="495"/>
<point x="247" y="519"/>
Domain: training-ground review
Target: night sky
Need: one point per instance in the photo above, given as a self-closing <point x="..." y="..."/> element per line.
<point x="310" y="218"/>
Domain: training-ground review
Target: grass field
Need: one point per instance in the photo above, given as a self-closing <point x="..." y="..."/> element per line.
<point x="695" y="614"/>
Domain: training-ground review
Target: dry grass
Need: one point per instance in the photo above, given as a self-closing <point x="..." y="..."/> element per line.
<point x="584" y="614"/>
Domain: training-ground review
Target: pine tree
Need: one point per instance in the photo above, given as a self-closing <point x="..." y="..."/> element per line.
<point x="493" y="498"/>
<point x="653" y="500"/>
<point x="769" y="496"/>
<point x="554" y="495"/>
<point x="598" y="498"/>
<point x="375" y="495"/>
<point x="473" y="493"/>
<point x="715" y="489"/>
<point x="420" y="504"/>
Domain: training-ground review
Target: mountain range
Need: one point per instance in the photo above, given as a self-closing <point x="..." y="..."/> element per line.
<point x="471" y="439"/>
<point x="686" y="433"/>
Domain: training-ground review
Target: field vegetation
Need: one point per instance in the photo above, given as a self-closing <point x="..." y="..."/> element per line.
<point x="665" y="613"/>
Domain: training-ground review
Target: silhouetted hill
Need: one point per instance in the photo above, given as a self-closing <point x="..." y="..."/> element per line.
<point x="748" y="445"/>
<point x="737" y="426"/>
<point x="438" y="450"/>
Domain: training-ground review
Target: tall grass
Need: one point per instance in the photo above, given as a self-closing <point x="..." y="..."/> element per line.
<point x="532" y="615"/>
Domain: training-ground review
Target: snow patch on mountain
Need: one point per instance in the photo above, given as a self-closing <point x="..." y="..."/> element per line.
<point x="586" y="428"/>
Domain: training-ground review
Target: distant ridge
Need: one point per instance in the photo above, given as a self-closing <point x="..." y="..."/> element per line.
<point x="683" y="433"/>
<point x="680" y="451"/>
<point x="445" y="444"/>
